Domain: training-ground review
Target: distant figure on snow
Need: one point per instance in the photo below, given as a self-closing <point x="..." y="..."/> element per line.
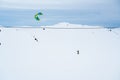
<point x="77" y="51"/>
<point x="110" y="30"/>
<point x="35" y="39"/>
<point x="43" y="28"/>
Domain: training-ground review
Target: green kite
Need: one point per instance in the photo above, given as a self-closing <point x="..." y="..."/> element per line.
<point x="37" y="16"/>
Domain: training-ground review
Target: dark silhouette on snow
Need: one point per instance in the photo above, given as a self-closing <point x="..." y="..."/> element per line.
<point x="35" y="39"/>
<point x="110" y="30"/>
<point x="77" y="51"/>
<point x="43" y="28"/>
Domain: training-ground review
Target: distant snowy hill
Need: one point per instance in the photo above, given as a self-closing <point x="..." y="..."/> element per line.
<point x="52" y="54"/>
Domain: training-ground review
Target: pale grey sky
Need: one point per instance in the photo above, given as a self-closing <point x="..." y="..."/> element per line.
<point x="58" y="4"/>
<point x="102" y="11"/>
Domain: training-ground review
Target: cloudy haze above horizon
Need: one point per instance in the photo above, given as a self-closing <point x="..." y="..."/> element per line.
<point x="59" y="4"/>
<point x="89" y="11"/>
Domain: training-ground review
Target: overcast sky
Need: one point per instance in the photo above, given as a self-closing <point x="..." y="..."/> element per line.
<point x="59" y="4"/>
<point x="102" y="11"/>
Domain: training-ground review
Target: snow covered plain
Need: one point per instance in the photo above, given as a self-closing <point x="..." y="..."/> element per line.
<point x="53" y="55"/>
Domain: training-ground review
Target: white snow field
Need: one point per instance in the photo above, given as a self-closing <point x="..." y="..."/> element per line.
<point x="51" y="54"/>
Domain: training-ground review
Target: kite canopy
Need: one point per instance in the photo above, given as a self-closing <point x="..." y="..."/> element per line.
<point x="37" y="16"/>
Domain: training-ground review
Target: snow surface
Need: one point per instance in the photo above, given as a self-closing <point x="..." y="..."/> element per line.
<point x="54" y="56"/>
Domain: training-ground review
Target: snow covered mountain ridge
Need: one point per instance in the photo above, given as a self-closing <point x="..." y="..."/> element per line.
<point x="64" y="25"/>
<point x="59" y="25"/>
